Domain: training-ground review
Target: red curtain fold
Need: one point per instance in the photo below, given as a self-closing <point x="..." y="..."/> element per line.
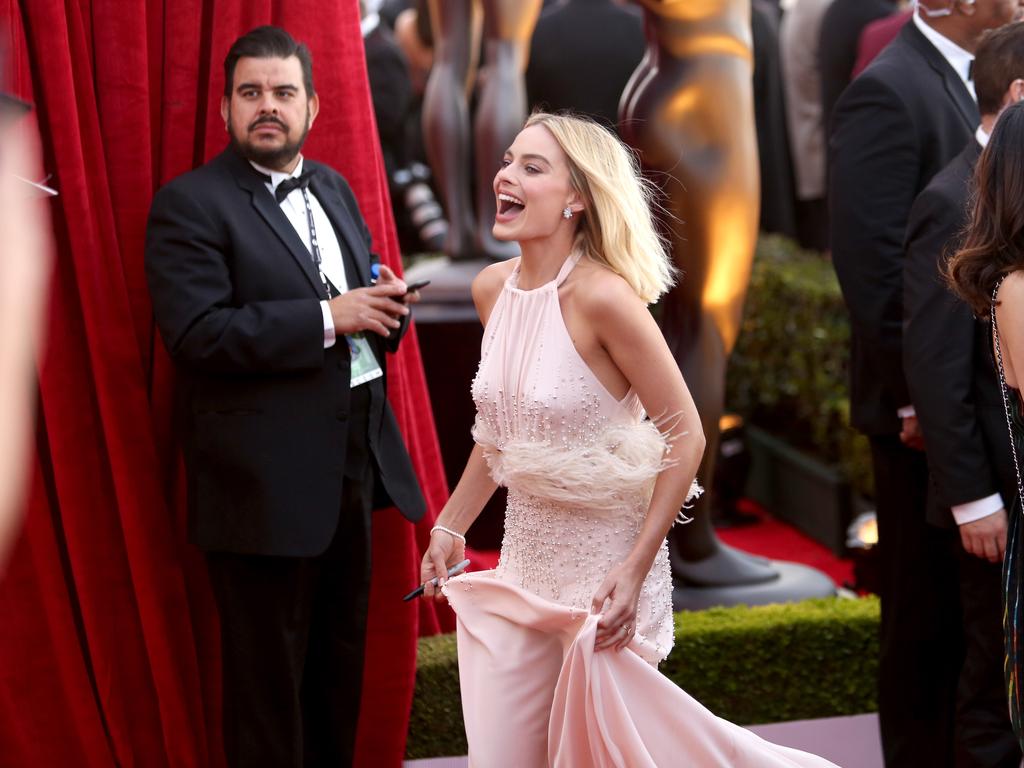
<point x="109" y="648"/>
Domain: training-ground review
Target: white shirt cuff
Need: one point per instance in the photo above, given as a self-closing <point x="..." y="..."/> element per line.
<point x="975" y="510"/>
<point x="906" y="412"/>
<point x="329" y="335"/>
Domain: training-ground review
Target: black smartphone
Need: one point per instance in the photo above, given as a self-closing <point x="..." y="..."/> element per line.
<point x="412" y="287"/>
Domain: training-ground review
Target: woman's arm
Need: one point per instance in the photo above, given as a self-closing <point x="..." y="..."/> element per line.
<point x="475" y="486"/>
<point x="627" y="332"/>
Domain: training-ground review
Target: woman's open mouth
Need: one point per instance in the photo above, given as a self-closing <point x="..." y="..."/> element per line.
<point x="509" y="207"/>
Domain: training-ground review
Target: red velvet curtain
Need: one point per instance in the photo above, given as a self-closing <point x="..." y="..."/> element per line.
<point x="108" y="637"/>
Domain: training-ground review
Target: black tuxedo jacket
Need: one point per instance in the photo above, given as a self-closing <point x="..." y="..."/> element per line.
<point x="894" y="128"/>
<point x="947" y="355"/>
<point x="265" y="406"/>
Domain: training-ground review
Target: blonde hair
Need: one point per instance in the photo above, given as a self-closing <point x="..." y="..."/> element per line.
<point x="616" y="227"/>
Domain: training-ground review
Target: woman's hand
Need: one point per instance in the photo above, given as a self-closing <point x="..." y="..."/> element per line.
<point x="621" y="588"/>
<point x="443" y="552"/>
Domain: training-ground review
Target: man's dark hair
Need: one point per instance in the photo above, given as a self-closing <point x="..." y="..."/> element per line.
<point x="998" y="61"/>
<point x="265" y="43"/>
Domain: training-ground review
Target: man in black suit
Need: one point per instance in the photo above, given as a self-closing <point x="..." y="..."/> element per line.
<point x="260" y="271"/>
<point x="907" y="115"/>
<point x="955" y="392"/>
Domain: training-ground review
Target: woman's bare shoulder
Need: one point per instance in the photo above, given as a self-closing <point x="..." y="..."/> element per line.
<point x="1010" y="306"/>
<point x="488" y="283"/>
<point x="1012" y="287"/>
<point x="602" y="294"/>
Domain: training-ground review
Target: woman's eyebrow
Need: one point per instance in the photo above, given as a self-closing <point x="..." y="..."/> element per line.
<point x="530" y="156"/>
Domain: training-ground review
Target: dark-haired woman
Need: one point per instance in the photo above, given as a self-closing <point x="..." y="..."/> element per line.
<point x="988" y="273"/>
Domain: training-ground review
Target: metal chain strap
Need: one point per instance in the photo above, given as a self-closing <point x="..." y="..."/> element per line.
<point x="1006" y="395"/>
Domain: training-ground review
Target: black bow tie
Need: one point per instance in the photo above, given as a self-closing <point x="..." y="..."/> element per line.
<point x="296" y="182"/>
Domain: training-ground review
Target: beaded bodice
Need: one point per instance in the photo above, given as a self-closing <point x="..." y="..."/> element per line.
<point x="532" y="384"/>
<point x="578" y="463"/>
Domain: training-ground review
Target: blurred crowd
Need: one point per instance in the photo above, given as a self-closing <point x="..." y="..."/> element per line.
<point x="583" y="53"/>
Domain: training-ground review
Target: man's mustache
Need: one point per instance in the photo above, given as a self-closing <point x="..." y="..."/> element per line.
<point x="267" y="119"/>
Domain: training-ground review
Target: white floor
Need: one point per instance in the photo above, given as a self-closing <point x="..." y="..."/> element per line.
<point x="850" y="742"/>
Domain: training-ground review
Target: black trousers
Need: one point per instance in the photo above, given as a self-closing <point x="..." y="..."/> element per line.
<point x="920" y="642"/>
<point x="983" y="735"/>
<point x="940" y="694"/>
<point x="293" y="631"/>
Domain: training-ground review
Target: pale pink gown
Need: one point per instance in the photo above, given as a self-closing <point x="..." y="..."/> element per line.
<point x="579" y="466"/>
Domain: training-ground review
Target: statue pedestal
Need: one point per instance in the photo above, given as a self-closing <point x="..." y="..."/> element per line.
<point x="795" y="582"/>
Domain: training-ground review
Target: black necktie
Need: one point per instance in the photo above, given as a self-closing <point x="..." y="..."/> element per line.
<point x="297" y="182"/>
<point x="970" y="71"/>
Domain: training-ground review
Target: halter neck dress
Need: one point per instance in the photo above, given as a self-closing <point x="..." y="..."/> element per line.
<point x="579" y="465"/>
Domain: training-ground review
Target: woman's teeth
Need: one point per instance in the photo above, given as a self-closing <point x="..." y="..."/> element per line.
<point x="509" y="203"/>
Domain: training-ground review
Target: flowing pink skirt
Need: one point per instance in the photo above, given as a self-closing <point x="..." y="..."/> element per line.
<point x="535" y="693"/>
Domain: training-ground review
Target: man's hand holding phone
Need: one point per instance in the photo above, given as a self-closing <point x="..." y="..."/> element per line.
<point x="377" y="308"/>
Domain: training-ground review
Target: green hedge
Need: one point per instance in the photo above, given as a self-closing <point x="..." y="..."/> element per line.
<point x="788" y="373"/>
<point x="818" y="658"/>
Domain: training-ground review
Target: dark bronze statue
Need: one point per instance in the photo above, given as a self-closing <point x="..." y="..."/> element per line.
<point x="689" y="110"/>
<point x="501" y="111"/>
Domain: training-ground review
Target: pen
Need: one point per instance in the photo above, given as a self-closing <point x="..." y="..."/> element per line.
<point x="455" y="569"/>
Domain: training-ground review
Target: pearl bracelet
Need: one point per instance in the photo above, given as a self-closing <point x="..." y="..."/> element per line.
<point x="449" y="531"/>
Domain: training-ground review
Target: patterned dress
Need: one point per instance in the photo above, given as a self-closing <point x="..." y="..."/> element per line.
<point x="1013" y="588"/>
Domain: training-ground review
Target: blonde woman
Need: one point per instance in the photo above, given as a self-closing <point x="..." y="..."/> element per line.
<point x="558" y="646"/>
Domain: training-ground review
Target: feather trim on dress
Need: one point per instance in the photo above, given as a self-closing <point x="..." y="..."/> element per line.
<point x="615" y="472"/>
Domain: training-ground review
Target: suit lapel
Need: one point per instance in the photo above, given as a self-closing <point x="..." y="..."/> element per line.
<point x="267" y="207"/>
<point x="353" y="248"/>
<point x="955" y="87"/>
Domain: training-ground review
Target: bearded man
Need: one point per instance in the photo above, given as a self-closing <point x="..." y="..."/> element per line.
<point x="263" y="289"/>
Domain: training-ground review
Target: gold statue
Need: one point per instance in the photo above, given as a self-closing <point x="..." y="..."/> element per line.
<point x="689" y="110"/>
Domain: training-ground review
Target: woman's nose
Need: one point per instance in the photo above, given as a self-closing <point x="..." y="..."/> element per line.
<point x="503" y="175"/>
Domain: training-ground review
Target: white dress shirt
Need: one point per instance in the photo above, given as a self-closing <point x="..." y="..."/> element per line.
<point x="959" y="59"/>
<point x="331" y="261"/>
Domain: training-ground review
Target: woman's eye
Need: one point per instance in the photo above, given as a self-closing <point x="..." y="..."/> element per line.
<point x="532" y="169"/>
<point x="506" y="163"/>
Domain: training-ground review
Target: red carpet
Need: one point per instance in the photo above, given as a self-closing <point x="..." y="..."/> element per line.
<point x="777" y="540"/>
<point x="769" y="537"/>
